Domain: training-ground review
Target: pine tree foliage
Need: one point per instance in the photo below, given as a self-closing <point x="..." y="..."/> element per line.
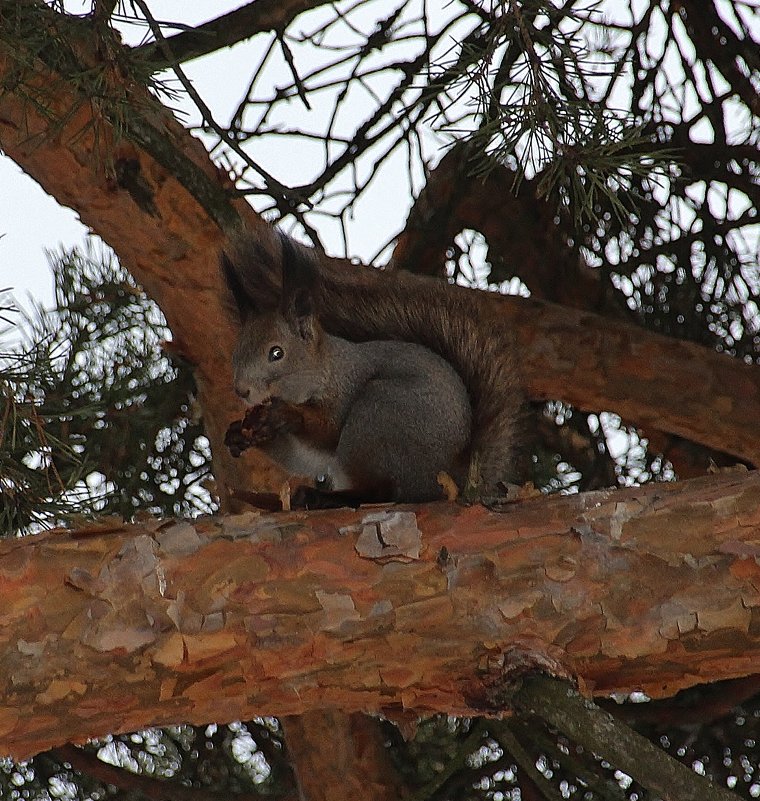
<point x="95" y="416"/>
<point x="210" y="761"/>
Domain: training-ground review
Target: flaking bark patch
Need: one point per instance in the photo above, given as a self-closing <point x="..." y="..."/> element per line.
<point x="388" y="536"/>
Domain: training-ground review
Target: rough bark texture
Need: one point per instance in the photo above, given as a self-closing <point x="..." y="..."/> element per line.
<point x="106" y="630"/>
<point x="656" y="588"/>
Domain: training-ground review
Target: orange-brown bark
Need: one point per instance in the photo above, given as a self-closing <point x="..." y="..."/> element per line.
<point x="649" y="380"/>
<point x="656" y="588"/>
<point x="341" y="757"/>
<point x="159" y="230"/>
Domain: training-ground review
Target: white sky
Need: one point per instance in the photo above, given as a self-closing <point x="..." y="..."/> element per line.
<point x="31" y="221"/>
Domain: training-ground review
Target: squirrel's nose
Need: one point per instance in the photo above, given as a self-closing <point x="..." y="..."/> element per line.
<point x="241" y="390"/>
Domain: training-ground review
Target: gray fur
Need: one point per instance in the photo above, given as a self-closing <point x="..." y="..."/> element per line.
<point x="403" y="413"/>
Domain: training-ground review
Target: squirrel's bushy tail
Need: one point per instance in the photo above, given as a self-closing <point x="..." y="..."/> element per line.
<point x="363" y="304"/>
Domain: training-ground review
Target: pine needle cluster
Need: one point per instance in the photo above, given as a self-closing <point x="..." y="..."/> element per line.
<point x="94" y="416"/>
<point x="525" y="93"/>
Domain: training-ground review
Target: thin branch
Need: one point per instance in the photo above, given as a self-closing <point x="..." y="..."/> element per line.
<point x="225" y="31"/>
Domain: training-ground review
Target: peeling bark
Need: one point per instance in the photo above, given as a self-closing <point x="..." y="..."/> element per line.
<point x="124" y="626"/>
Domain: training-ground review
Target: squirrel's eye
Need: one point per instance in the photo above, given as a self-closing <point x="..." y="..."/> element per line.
<point x="275" y="353"/>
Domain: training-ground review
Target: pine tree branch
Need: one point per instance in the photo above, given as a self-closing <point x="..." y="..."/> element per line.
<point x="526" y="765"/>
<point x="539" y="739"/>
<point x="116" y="627"/>
<point x="513" y="223"/>
<point x="648" y="379"/>
<point x="148" y="787"/>
<point x="157" y="224"/>
<point x="598" y="731"/>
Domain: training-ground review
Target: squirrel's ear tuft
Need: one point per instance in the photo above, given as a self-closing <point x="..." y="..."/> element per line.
<point x="299" y="314"/>
<point x="234" y="284"/>
<point x="299" y="270"/>
<point x="299" y="287"/>
<point x="302" y="302"/>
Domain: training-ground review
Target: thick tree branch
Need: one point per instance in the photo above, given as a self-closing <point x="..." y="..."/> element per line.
<point x="648" y="379"/>
<point x="145" y="625"/>
<point x="524" y="239"/>
<point x="655" y="588"/>
<point x="161" y="228"/>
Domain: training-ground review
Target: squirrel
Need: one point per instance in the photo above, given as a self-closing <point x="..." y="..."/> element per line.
<point x="370" y="382"/>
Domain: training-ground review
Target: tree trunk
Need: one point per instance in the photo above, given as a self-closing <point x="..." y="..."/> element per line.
<point x="341" y="757"/>
<point x="390" y="610"/>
